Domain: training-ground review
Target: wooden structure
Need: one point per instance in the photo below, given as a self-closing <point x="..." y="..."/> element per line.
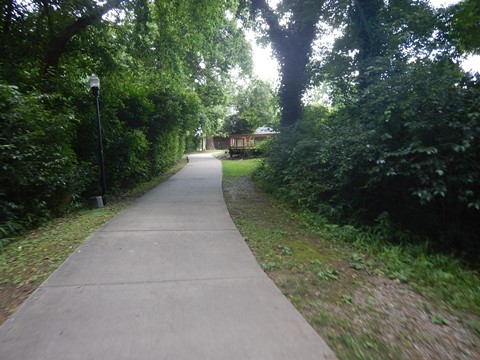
<point x="220" y="142"/>
<point x="245" y="144"/>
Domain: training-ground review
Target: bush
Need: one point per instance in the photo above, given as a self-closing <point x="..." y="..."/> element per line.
<point x="409" y="146"/>
<point x="315" y="165"/>
<point x="39" y="169"/>
<point x="128" y="158"/>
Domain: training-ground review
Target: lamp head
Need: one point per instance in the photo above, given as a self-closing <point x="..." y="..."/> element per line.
<point x="94" y="81"/>
<point x="95" y="84"/>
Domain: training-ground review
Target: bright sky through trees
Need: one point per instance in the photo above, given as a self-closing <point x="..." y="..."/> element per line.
<point x="266" y="67"/>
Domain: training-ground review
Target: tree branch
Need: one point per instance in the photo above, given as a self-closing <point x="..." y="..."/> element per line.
<point x="46" y="8"/>
<point x="57" y="44"/>
<point x="278" y="36"/>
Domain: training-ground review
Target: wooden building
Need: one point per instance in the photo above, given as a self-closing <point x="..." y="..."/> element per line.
<point x="246" y="144"/>
<point x="220" y="142"/>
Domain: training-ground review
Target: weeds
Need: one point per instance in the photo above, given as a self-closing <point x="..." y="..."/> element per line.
<point x="328" y="274"/>
<point x="438" y="276"/>
<point x="354" y="284"/>
<point x="8" y="232"/>
<point x="439" y="319"/>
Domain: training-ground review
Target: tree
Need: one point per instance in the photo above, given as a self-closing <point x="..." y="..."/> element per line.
<point x="465" y="21"/>
<point x="164" y="67"/>
<point x="403" y="137"/>
<point x="292" y="45"/>
<point x="48" y="27"/>
<point x="58" y="40"/>
<point x="256" y="106"/>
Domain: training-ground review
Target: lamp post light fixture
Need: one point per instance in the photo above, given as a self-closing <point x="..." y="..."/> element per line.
<point x="95" y="86"/>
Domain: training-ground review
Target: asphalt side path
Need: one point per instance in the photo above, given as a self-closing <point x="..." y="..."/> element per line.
<point x="168" y="278"/>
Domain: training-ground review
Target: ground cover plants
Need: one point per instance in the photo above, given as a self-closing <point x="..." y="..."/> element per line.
<point x="367" y="298"/>
<point x="28" y="260"/>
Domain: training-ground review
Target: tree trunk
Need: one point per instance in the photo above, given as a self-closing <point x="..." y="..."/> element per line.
<point x="292" y="47"/>
<point x="210" y="145"/>
<point x="366" y="19"/>
<point x="294" y="80"/>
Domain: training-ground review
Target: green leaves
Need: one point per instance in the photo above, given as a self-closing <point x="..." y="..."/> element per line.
<point x="421" y="165"/>
<point x="329" y="274"/>
<point x="464" y="25"/>
<point x="256" y="106"/>
<point x="38" y="165"/>
<point x="438" y="319"/>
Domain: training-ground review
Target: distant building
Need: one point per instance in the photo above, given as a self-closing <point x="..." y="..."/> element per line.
<point x="243" y="144"/>
<point x="220" y="142"/>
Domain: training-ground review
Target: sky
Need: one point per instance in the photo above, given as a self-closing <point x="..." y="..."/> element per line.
<point x="266" y="67"/>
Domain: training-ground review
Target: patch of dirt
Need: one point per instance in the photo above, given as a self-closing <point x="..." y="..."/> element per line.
<point x="12" y="297"/>
<point x="243" y="188"/>
<point x="408" y="317"/>
<point x="360" y="314"/>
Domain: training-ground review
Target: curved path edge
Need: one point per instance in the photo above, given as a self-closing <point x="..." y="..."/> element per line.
<point x="168" y="278"/>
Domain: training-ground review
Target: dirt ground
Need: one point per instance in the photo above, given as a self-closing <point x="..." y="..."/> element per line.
<point x="11" y="297"/>
<point x="361" y="314"/>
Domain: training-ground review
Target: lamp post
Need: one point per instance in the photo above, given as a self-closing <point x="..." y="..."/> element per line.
<point x="95" y="86"/>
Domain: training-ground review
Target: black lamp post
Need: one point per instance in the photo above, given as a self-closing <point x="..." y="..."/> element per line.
<point x="95" y="86"/>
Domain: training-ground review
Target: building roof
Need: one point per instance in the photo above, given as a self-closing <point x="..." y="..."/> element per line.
<point x="260" y="131"/>
<point x="264" y="130"/>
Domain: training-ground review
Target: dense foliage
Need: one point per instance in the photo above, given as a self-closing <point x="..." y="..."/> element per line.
<point x="399" y="138"/>
<point x="39" y="168"/>
<point x="402" y="140"/>
<point x="255" y="106"/>
<point x="164" y="68"/>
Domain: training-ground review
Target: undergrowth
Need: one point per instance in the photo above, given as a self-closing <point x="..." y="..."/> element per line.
<point x="439" y="276"/>
<point x="400" y="255"/>
<point x="354" y="284"/>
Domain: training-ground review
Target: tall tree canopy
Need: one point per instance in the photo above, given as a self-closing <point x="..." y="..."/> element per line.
<point x="465" y="25"/>
<point x="255" y="106"/>
<point x="165" y="68"/>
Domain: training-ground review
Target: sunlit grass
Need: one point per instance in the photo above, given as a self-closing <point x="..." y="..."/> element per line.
<point x="236" y="168"/>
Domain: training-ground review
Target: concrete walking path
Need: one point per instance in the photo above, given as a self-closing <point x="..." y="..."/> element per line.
<point x="168" y="278"/>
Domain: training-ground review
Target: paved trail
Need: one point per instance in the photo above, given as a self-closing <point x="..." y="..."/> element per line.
<point x="168" y="278"/>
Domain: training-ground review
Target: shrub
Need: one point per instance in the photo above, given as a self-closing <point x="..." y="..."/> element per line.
<point x="409" y="146"/>
<point x="39" y="169"/>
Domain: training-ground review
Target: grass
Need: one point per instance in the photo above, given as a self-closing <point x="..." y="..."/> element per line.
<point x="32" y="257"/>
<point x="236" y="168"/>
<point x="440" y="277"/>
<point x="368" y="299"/>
